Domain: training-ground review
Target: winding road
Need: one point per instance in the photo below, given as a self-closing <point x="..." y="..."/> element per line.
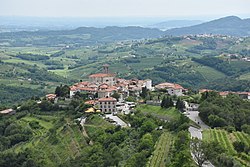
<point x="195" y="132"/>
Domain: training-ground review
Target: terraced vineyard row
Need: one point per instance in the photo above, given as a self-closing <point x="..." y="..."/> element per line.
<point x="162" y="147"/>
<point x="242" y="137"/>
<point x="71" y="140"/>
<point x="226" y="140"/>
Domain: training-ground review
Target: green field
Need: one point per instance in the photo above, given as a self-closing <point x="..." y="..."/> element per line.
<point x="245" y="76"/>
<point x="209" y="73"/>
<point x="226" y="140"/>
<point x="169" y="114"/>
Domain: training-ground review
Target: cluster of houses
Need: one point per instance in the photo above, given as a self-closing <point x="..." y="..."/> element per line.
<point x="102" y="86"/>
<point x="235" y="57"/>
<point x="243" y="95"/>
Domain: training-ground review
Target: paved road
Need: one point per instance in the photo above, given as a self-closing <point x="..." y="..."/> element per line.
<point x="117" y="120"/>
<point x="194" y="116"/>
<point x="195" y="132"/>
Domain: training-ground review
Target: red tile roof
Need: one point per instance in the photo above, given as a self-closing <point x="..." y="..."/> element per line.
<point x="244" y="93"/>
<point x="6" y="111"/>
<point x="205" y="90"/>
<point x="73" y="88"/>
<point x="101" y="75"/>
<point x="87" y="89"/>
<point x="85" y="83"/>
<point x="91" y="102"/>
<point x="169" y="85"/>
<point x="107" y="99"/>
<point x="104" y="86"/>
<point x="224" y="93"/>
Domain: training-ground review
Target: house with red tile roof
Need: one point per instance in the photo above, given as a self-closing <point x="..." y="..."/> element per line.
<point x="107" y="104"/>
<point x="172" y="88"/>
<point x="244" y="95"/>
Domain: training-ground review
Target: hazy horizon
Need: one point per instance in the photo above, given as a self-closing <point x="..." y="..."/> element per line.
<point x="124" y="8"/>
<point x="100" y="13"/>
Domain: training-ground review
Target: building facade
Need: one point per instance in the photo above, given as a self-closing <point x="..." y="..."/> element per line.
<point x="107" y="104"/>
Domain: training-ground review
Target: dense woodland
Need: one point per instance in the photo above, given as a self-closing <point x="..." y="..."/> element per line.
<point x="230" y="113"/>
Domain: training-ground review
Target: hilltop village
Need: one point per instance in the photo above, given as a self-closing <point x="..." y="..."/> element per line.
<point x="108" y="94"/>
<point x="102" y="88"/>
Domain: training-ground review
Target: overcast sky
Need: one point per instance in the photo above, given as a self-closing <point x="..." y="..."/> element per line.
<point x="124" y="8"/>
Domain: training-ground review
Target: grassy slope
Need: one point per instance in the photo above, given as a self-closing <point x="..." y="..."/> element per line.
<point x="207" y="72"/>
<point x="95" y="123"/>
<point x="245" y="76"/>
<point x="169" y="114"/>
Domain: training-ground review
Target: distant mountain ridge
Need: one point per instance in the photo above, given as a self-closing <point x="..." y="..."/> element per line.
<point x="231" y="25"/>
<point x="175" y="24"/>
<point x="83" y="36"/>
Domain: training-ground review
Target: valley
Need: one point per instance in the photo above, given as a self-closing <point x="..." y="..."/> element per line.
<point x="126" y="96"/>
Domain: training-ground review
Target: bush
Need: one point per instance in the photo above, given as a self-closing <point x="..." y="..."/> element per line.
<point x="34" y="125"/>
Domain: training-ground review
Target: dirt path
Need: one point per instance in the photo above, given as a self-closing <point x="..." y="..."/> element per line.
<point x="84" y="131"/>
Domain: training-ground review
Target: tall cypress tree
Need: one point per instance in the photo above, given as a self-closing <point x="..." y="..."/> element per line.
<point x="180" y="105"/>
<point x="163" y="102"/>
<point x="171" y="103"/>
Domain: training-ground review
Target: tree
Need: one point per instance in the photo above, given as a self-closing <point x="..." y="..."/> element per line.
<point x="245" y="128"/>
<point x="163" y="102"/>
<point x="204" y="151"/>
<point x="240" y="146"/>
<point x="198" y="151"/>
<point x="131" y="99"/>
<point x="180" y="105"/>
<point x="216" y="121"/>
<point x="146" y="143"/>
<point x="167" y="102"/>
<point x="62" y="91"/>
<point x="147" y="126"/>
<point x="144" y="92"/>
<point x="58" y="91"/>
<point x="46" y="105"/>
<point x="116" y="96"/>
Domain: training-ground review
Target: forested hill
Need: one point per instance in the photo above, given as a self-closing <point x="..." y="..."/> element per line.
<point x="230" y="25"/>
<point x="80" y="36"/>
<point x="85" y="36"/>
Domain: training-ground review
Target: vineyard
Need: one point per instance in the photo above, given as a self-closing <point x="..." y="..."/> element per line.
<point x="47" y="147"/>
<point x="226" y="140"/>
<point x="162" y="147"/>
